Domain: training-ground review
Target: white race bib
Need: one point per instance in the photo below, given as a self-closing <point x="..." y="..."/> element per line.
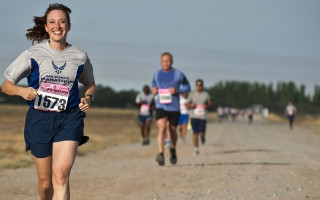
<point x="144" y="110"/>
<point x="52" y="97"/>
<point x="165" y="96"/>
<point x="199" y="110"/>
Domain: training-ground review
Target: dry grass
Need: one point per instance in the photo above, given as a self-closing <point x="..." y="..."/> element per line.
<point x="305" y="121"/>
<point x="106" y="127"/>
<point x="310" y="122"/>
<point x="274" y="118"/>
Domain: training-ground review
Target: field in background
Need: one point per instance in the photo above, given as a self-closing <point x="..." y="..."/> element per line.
<point x="106" y="127"/>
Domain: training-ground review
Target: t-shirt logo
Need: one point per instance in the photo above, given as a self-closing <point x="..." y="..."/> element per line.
<point x="58" y="69"/>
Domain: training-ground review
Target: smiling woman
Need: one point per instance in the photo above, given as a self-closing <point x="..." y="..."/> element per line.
<point x="54" y="124"/>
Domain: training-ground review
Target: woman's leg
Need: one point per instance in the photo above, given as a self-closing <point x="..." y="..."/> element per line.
<point x="44" y="170"/>
<point x="63" y="157"/>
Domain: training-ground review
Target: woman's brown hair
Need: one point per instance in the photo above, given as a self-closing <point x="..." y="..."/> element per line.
<point x="38" y="32"/>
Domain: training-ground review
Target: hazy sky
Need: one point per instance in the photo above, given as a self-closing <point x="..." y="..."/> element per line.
<point x="253" y="40"/>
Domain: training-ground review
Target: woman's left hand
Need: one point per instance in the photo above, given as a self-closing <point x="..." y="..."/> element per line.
<point x="84" y="105"/>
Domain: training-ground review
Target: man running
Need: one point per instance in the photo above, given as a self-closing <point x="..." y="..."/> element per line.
<point x="145" y="101"/>
<point x="290" y="112"/>
<point x="198" y="101"/>
<point x="168" y="83"/>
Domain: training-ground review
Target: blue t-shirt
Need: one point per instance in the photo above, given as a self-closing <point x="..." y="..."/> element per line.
<point x="173" y="78"/>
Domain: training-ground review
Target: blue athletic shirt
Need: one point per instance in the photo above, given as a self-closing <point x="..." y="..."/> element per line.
<point x="42" y="64"/>
<point x="173" y="78"/>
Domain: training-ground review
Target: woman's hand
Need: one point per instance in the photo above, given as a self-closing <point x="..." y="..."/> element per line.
<point x="28" y="93"/>
<point x="84" y="104"/>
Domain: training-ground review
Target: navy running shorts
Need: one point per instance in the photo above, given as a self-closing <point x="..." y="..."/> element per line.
<point x="172" y="116"/>
<point x="43" y="128"/>
<point x="183" y="119"/>
<point x="142" y="119"/>
<point x="198" y="125"/>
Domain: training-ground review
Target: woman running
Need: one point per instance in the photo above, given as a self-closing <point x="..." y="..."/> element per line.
<point x="54" y="122"/>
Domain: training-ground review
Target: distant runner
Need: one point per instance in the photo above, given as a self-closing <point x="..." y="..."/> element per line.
<point x="145" y="101"/>
<point x="168" y="83"/>
<point x="290" y="112"/>
<point x="198" y="101"/>
<point x="250" y="114"/>
<point x="220" y="113"/>
<point x="184" y="116"/>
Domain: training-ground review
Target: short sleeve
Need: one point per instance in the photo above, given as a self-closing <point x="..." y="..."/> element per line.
<point x="19" y="68"/>
<point x="138" y="99"/>
<point x="87" y="76"/>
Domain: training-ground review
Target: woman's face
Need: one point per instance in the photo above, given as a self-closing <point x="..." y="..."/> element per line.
<point x="57" y="26"/>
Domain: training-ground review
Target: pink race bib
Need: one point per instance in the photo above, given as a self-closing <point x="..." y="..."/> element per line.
<point x="165" y="96"/>
<point x="199" y="110"/>
<point x="144" y="110"/>
<point x="52" y="97"/>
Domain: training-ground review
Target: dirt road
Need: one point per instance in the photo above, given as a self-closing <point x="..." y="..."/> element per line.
<point x="238" y="161"/>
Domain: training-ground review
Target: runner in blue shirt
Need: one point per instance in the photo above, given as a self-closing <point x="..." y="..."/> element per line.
<point x="167" y="84"/>
<point x="54" y="122"/>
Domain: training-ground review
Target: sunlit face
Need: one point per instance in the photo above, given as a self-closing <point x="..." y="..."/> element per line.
<point x="57" y="26"/>
<point x="166" y="62"/>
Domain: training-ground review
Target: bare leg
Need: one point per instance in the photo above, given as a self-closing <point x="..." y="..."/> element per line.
<point x="173" y="136"/>
<point x="147" y="129"/>
<point x="195" y="137"/>
<point x="184" y="131"/>
<point x="142" y="128"/>
<point x="161" y="123"/>
<point x="63" y="157"/>
<point x="44" y="171"/>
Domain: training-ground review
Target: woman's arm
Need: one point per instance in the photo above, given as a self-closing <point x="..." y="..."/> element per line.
<point x="27" y="93"/>
<point x="85" y="102"/>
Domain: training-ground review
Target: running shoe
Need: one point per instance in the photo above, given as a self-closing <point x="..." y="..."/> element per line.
<point x="160" y="159"/>
<point x="196" y="152"/>
<point x="167" y="142"/>
<point x="203" y="139"/>
<point x="147" y="141"/>
<point x="84" y="139"/>
<point x="173" y="157"/>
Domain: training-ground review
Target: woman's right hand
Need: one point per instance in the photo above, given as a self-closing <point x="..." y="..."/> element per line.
<point x="28" y="93"/>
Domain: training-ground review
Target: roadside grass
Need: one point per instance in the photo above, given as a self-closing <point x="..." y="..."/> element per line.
<point x="106" y="127"/>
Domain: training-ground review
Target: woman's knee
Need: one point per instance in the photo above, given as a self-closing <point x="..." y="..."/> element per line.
<point x="45" y="183"/>
<point x="61" y="177"/>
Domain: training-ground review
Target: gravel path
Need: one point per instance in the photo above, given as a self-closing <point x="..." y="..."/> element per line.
<point x="238" y="161"/>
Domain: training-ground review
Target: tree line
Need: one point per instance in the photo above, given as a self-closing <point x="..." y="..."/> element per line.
<point x="240" y="94"/>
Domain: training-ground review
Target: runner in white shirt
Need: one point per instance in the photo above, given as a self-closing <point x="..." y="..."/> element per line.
<point x="145" y="101"/>
<point x="290" y="112"/>
<point x="220" y="113"/>
<point x="184" y="116"/>
<point x="249" y="113"/>
<point x="198" y="101"/>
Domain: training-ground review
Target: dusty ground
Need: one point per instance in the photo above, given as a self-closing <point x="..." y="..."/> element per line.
<point x="239" y="161"/>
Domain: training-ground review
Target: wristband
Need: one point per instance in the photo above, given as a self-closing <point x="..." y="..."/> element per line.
<point x="91" y="97"/>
